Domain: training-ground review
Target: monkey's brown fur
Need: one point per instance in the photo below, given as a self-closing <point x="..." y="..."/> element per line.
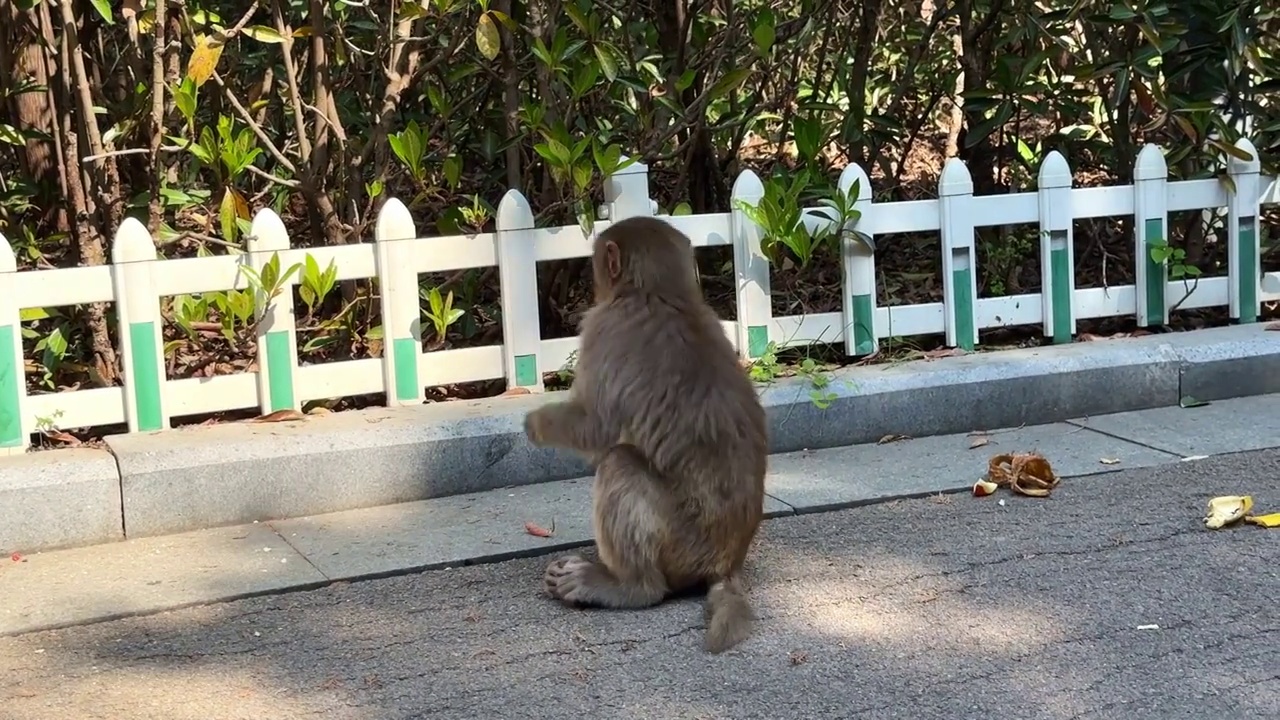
<point x="677" y="433"/>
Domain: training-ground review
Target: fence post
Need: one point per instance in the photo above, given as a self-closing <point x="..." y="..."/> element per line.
<point x="1057" y="249"/>
<point x="751" y="269"/>
<point x="1243" y="249"/>
<point x="401" y="314"/>
<point x="518" y="291"/>
<point x="859" y="266"/>
<point x="277" y="331"/>
<point x="133" y="257"/>
<point x="1150" y="217"/>
<point x="959" y="284"/>
<point x="15" y="434"/>
<point x="626" y="193"/>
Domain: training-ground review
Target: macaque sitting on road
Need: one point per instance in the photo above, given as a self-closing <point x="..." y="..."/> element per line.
<point x="675" y="429"/>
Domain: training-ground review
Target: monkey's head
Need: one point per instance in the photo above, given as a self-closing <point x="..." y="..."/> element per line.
<point x="644" y="253"/>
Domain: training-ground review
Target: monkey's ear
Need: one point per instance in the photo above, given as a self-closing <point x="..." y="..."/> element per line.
<point x="613" y="259"/>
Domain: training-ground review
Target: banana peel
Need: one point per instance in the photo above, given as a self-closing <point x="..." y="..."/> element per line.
<point x="1226" y="509"/>
<point x="1027" y="474"/>
<point x="1270" y="520"/>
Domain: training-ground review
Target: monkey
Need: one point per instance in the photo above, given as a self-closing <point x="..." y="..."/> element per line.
<point x="677" y="434"/>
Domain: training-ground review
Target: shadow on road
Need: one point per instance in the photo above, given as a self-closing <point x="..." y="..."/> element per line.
<point x="1107" y="600"/>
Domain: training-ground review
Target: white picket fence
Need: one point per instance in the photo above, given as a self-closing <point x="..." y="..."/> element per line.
<point x="137" y="280"/>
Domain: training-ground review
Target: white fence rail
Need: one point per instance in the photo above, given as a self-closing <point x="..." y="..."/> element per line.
<point x="136" y="282"/>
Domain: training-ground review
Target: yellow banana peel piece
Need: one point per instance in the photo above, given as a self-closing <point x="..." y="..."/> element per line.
<point x="1270" y="520"/>
<point x="1226" y="509"/>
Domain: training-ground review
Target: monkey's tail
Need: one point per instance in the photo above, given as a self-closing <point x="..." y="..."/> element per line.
<point x="729" y="615"/>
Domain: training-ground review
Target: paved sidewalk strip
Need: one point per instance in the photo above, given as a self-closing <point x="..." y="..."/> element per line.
<point x="149" y="575"/>
<point x="135" y="577"/>
<point x="1247" y="423"/>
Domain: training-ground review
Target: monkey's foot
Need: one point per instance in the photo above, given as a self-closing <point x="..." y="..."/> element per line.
<point x="566" y="578"/>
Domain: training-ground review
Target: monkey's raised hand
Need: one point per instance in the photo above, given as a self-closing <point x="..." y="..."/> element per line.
<point x="566" y="425"/>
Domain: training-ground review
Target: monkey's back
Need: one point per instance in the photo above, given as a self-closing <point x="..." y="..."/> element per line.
<point x="666" y="367"/>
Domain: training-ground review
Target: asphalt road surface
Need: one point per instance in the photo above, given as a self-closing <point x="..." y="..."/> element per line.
<point x="1107" y="600"/>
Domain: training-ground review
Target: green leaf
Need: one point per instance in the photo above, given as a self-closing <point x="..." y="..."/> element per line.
<point x="764" y="33"/>
<point x="607" y="63"/>
<point x="57" y="342"/>
<point x="310" y="271"/>
<point x="104" y="9"/>
<point x="10" y="134"/>
<point x="261" y="33"/>
<point x="582" y="173"/>
<point x="227" y="215"/>
<point x="271" y="272"/>
<point x="728" y="83"/>
<point x="453" y="170"/>
<point x="397" y="147"/>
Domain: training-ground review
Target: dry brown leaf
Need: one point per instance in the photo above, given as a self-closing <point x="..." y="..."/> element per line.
<point x="979" y="442"/>
<point x="280" y="416"/>
<point x="62" y="437"/>
<point x="1024" y="473"/>
<point x="943" y="353"/>
<point x="539" y="531"/>
<point x="516" y="391"/>
<point x="892" y="438"/>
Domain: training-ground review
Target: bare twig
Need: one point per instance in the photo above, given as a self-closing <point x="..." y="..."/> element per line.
<point x="273" y="178"/>
<point x="253" y="124"/>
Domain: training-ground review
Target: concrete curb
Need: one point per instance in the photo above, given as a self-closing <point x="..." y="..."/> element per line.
<point x="210" y="476"/>
<point x="56" y="499"/>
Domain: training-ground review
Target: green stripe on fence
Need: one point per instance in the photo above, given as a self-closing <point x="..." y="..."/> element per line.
<point x="962" y="281"/>
<point x="146" y="375"/>
<point x="757" y="340"/>
<point x="1248" y="271"/>
<point x="527" y="370"/>
<point x="1154" y="235"/>
<point x="864" y="329"/>
<point x="279" y="372"/>
<point x="405" y="354"/>
<point x="1061" y="276"/>
<point x="10" y="377"/>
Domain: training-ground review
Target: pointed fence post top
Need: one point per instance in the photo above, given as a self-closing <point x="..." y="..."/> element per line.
<point x="267" y="232"/>
<point x="955" y="179"/>
<point x="748" y="187"/>
<point x="1151" y="164"/>
<point x="1237" y="166"/>
<point x="636" y="168"/>
<point x="132" y="243"/>
<point x="1055" y="172"/>
<point x="514" y="212"/>
<point x="626" y="192"/>
<point x="8" y="263"/>
<point x="394" y="223"/>
<point x="854" y="174"/>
